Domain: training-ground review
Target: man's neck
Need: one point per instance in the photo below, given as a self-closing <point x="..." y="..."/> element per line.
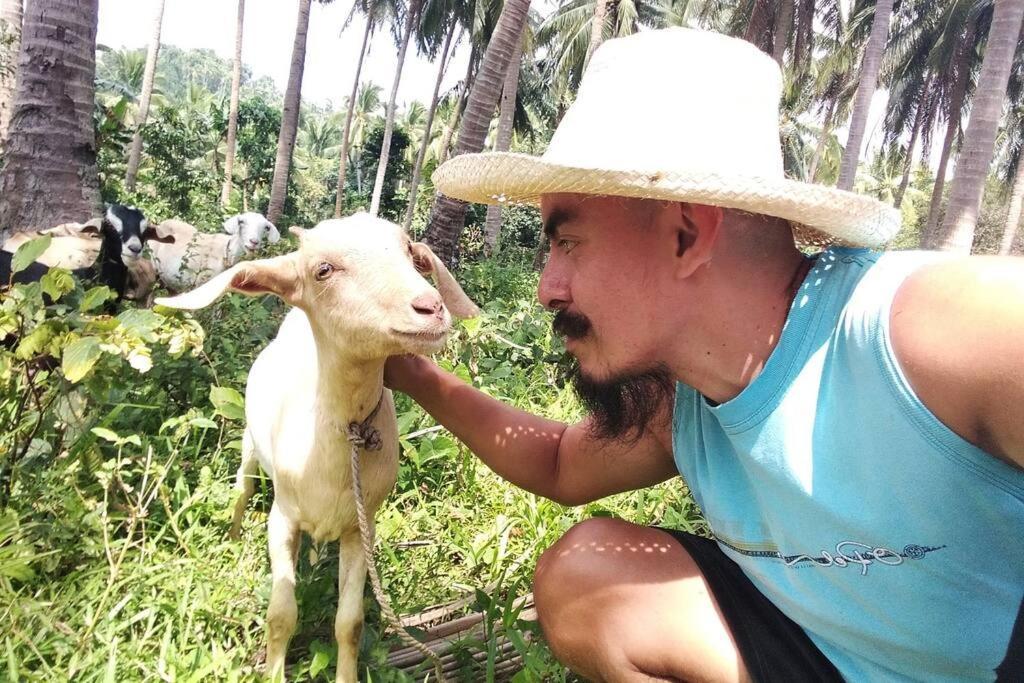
<point x="740" y="324"/>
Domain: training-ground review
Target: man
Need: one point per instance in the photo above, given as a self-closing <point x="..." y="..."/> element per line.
<point x="851" y="424"/>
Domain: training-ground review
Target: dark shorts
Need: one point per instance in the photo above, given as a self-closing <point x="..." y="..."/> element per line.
<point x="773" y="647"/>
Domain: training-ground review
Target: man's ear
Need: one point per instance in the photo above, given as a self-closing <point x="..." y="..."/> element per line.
<point x="278" y="275"/>
<point x="696" y="234"/>
<point x="459" y="305"/>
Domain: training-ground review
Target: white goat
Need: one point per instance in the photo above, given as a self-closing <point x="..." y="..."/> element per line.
<point x="359" y="297"/>
<point x="195" y="257"/>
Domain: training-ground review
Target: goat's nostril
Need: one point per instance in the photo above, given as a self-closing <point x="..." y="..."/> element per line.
<point x="427" y="304"/>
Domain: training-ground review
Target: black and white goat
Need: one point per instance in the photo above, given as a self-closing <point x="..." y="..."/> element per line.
<point x="114" y="260"/>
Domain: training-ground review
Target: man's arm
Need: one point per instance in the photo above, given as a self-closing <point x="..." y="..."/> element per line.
<point x="558" y="461"/>
<point x="958" y="331"/>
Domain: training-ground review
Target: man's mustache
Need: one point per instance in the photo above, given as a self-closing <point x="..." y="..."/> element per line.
<point x="571" y="325"/>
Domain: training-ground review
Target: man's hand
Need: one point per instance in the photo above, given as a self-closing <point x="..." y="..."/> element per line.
<point x="400" y="371"/>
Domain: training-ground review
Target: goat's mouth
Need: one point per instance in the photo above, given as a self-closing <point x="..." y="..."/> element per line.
<point x="428" y="337"/>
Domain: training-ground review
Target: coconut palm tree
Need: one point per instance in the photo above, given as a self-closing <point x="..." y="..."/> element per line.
<point x="438" y="17"/>
<point x="10" y="42"/>
<point x="319" y="135"/>
<point x="411" y="18"/>
<point x="135" y="154"/>
<point x="290" y="115"/>
<point x="375" y="13"/>
<point x="596" y="29"/>
<point x="506" y="113"/>
<point x="954" y="34"/>
<point x="868" y="77"/>
<point x="119" y="73"/>
<point x="49" y="171"/>
<point x="236" y="83"/>
<point x="461" y="96"/>
<point x="448" y="217"/>
<point x="957" y="232"/>
<point x="568" y="33"/>
<point x="364" y="113"/>
<point x="1014" y="176"/>
<point x="426" y="137"/>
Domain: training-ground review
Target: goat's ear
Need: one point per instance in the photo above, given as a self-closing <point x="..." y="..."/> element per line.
<point x="158" y="234"/>
<point x="93" y="227"/>
<point x="427" y="263"/>
<point x="297" y="232"/>
<point x="231" y="225"/>
<point x="273" y="234"/>
<point x="278" y="275"/>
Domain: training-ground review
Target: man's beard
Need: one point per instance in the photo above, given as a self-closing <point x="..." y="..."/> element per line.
<point x="621" y="407"/>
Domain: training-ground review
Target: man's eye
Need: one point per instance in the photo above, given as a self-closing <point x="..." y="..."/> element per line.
<point x="567" y="245"/>
<point x="324" y="270"/>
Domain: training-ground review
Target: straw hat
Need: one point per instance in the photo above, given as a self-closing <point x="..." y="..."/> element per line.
<point x="676" y="114"/>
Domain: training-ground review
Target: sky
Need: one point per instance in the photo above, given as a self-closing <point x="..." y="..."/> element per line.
<point x="331" y="55"/>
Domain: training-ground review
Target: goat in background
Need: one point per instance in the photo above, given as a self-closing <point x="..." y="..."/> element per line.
<point x="195" y="256"/>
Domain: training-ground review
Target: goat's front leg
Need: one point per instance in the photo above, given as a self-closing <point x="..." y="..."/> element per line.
<point x="283" y="542"/>
<point x="245" y="483"/>
<point x="348" y="622"/>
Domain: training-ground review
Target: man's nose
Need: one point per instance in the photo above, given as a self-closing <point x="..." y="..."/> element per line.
<point x="553" y="289"/>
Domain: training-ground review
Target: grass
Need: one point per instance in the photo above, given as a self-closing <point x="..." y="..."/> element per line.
<point x="114" y="560"/>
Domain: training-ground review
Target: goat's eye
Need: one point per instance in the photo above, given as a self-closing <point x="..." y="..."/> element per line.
<point x="324" y="270"/>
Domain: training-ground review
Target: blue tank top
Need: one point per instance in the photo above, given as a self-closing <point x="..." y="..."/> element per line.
<point x="895" y="544"/>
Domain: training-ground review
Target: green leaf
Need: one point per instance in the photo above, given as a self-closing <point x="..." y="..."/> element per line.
<point x="140" y="320"/>
<point x="203" y="423"/>
<point x="34" y="342"/>
<point x="79" y="357"/>
<point x="321" y="658"/>
<point x="472" y="325"/>
<point x="228" y="402"/>
<point x="29" y="252"/>
<point x="57" y="282"/>
<point x="106" y="434"/>
<point x="95" y="297"/>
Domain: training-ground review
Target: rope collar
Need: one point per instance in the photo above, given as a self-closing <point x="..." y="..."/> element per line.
<point x="363" y="434"/>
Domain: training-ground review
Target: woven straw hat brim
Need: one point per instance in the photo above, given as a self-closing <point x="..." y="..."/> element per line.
<point x="821" y="215"/>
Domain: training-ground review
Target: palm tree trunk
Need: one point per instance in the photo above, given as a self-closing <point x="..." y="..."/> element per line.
<point x="236" y="85"/>
<point x="49" y="171"/>
<point x="956" y="104"/>
<point x="10" y="25"/>
<point x="421" y="155"/>
<point x="460" y="106"/>
<point x="865" y="91"/>
<point x="339" y="196"/>
<point x="449" y="215"/>
<point x="506" y="115"/>
<point x="596" y="29"/>
<point x="927" y="130"/>
<point x="1013" y="215"/>
<point x="957" y="232"/>
<point x="819" y="150"/>
<point x="783" y="25"/>
<point x="389" y="123"/>
<point x="135" y="155"/>
<point x="759" y="26"/>
<point x="919" y="116"/>
<point x="289" y="117"/>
